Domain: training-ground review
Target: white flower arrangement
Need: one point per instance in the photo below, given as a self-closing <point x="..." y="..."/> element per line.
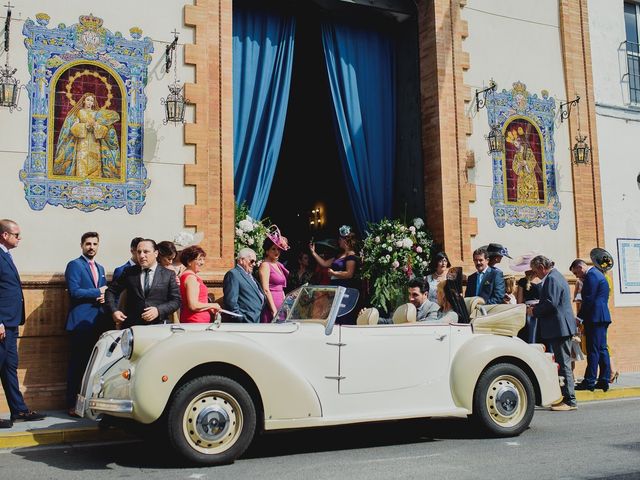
<point x="249" y="231"/>
<point x="392" y="254"/>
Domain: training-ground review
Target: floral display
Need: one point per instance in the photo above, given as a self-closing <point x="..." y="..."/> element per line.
<point x="249" y="232"/>
<point x="392" y="254"/>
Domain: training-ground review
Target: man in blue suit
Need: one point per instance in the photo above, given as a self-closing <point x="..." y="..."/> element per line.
<point x="242" y="295"/>
<point x="86" y="284"/>
<point x="596" y="318"/>
<point x="11" y="317"/>
<point x="487" y="282"/>
<point x="556" y="324"/>
<point x="132" y="262"/>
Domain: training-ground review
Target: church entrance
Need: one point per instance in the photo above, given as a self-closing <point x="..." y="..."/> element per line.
<point x="309" y="197"/>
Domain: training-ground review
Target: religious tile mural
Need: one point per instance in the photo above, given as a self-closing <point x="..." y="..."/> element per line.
<point x="524" y="174"/>
<point x="86" y="116"/>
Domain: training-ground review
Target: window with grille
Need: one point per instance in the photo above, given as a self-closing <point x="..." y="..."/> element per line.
<point x="631" y="15"/>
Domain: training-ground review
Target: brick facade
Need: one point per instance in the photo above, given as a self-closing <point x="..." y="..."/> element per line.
<point x="445" y="130"/>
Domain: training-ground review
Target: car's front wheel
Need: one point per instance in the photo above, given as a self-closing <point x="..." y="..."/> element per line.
<point x="211" y="420"/>
<point x="503" y="401"/>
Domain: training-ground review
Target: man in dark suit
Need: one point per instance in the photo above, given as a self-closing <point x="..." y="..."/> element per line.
<point x="11" y="317"/>
<point x="242" y="295"/>
<point x="152" y="293"/>
<point x="487" y="282"/>
<point x="556" y="324"/>
<point x="86" y="284"/>
<point x="133" y="248"/>
<point x="596" y="318"/>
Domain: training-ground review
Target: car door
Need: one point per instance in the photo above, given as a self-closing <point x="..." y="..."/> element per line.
<point x="384" y="358"/>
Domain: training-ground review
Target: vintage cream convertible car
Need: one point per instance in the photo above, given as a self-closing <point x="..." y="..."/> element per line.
<point x="211" y="387"/>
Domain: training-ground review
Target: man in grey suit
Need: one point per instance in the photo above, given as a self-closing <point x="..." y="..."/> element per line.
<point x="556" y="324"/>
<point x="152" y="291"/>
<point x="242" y="295"/>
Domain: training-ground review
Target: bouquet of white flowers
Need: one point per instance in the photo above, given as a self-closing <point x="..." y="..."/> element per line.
<point x="392" y="254"/>
<point x="249" y="232"/>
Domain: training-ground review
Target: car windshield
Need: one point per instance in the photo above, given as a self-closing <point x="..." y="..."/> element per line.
<point x="317" y="303"/>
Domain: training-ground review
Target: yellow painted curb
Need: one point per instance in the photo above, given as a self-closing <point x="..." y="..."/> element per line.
<point x="49" y="437"/>
<point x="587" y="396"/>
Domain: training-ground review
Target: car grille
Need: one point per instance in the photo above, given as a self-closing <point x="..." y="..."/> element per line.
<point x="87" y="373"/>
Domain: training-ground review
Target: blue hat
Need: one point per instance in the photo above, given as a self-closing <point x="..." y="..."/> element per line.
<point x="497" y="250"/>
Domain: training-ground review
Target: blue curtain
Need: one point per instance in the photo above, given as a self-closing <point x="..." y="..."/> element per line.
<point x="361" y="68"/>
<point x="262" y="61"/>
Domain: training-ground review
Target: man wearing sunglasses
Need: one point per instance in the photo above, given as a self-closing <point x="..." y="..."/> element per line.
<point x="11" y="317"/>
<point x="242" y="295"/>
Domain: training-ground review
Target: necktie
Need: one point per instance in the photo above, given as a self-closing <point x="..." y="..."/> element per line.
<point x="94" y="272"/>
<point x="479" y="283"/>
<point x="147" y="283"/>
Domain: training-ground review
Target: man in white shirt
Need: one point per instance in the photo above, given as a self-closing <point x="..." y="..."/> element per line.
<point x="152" y="291"/>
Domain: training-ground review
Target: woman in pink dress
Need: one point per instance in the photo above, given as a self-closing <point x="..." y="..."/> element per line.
<point x="273" y="274"/>
<point x="195" y="305"/>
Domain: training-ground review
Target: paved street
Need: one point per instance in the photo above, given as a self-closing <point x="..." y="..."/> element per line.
<point x="600" y="440"/>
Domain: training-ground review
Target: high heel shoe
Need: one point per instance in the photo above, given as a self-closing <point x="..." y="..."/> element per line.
<point x="614" y="377"/>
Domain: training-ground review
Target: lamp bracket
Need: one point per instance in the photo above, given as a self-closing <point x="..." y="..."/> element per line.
<point x="481" y="102"/>
<point x="564" y="113"/>
<point x="168" y="52"/>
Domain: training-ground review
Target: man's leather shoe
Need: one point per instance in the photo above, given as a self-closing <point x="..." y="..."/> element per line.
<point x="6" y="424"/>
<point x="584" y="386"/>
<point x="30" y="416"/>
<point x="563" y="407"/>
<point x="603" y="385"/>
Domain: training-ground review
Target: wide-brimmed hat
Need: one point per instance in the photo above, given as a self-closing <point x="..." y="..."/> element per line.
<point x="521" y="263"/>
<point x="187" y="239"/>
<point x="495" y="249"/>
<point x="329" y="244"/>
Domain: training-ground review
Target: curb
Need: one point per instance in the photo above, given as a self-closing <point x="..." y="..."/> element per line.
<point x="624" y="392"/>
<point x="58" y="436"/>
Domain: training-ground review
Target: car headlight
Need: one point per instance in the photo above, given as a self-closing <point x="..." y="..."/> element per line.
<point x="126" y="343"/>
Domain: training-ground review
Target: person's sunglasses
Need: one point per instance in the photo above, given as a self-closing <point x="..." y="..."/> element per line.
<point x="252" y="262"/>
<point x="17" y="235"/>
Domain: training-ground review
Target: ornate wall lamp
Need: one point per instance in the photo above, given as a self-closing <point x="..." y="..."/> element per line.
<point x="175" y="102"/>
<point x="495" y="139"/>
<point x="481" y="102"/>
<point x="9" y="85"/>
<point x="581" y="150"/>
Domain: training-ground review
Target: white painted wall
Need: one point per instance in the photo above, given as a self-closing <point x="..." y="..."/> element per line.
<point x="52" y="235"/>
<point x="618" y="126"/>
<point x="518" y="41"/>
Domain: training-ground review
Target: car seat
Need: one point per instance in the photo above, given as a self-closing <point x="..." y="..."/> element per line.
<point x="405" y="313"/>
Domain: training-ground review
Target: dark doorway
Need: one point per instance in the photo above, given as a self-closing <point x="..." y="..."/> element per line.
<point x="309" y="174"/>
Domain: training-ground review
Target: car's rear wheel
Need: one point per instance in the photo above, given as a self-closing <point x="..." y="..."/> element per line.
<point x="211" y="420"/>
<point x="503" y="401"/>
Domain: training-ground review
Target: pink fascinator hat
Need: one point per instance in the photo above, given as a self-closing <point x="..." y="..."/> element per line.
<point x="273" y="234"/>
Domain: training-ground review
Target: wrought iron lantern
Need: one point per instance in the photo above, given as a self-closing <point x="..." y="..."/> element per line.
<point x="174" y="104"/>
<point x="581" y="150"/>
<point x="9" y="85"/>
<point x="9" y="88"/>
<point x="495" y="139"/>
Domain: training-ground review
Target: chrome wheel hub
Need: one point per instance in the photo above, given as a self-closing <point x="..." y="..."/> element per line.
<point x="507" y="400"/>
<point x="212" y="423"/>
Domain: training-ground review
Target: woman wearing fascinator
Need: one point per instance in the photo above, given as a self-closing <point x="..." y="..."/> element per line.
<point x="273" y="274"/>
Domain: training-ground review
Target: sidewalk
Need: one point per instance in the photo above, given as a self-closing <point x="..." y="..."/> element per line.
<point x="59" y="428"/>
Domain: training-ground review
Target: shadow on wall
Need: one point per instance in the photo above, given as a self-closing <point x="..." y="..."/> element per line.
<point x="43" y="345"/>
